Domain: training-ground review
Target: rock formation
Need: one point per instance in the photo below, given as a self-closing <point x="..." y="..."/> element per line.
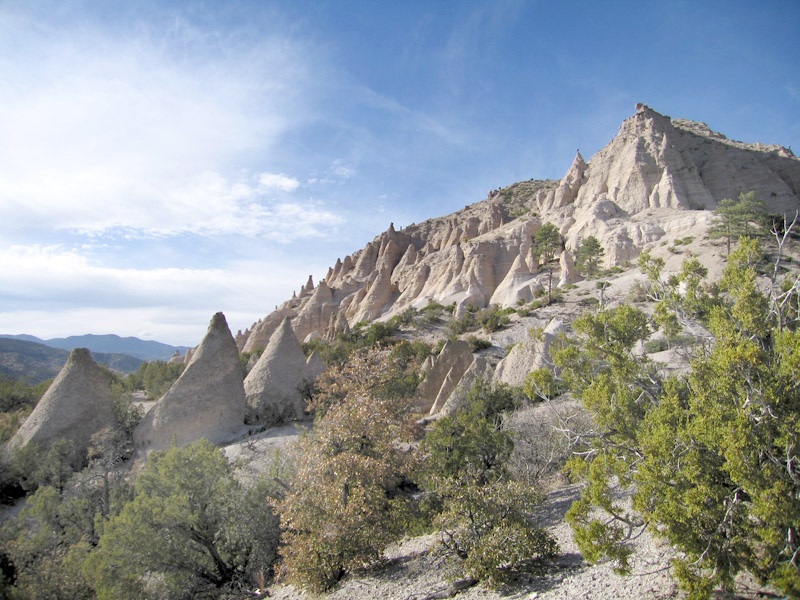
<point x="448" y="369"/>
<point x="207" y="400"/>
<point x="315" y="366"/>
<point x="479" y="369"/>
<point x="272" y="387"/>
<point x="77" y="405"/>
<point x="528" y="355"/>
<point x="655" y="180"/>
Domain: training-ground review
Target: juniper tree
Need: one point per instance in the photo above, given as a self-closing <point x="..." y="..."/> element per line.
<point x="190" y="530"/>
<point x="735" y="217"/>
<point x="546" y="244"/>
<point x="712" y="456"/>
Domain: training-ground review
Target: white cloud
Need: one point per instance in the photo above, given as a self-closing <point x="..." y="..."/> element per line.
<point x="52" y="291"/>
<point x="140" y="134"/>
<point x="278" y="182"/>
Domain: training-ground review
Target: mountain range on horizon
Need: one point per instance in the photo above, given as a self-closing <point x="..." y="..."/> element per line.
<point x="146" y="350"/>
<point x="27" y="356"/>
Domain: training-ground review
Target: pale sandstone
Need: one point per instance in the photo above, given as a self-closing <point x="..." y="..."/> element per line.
<point x="207" y="400"/>
<point x="77" y="405"/>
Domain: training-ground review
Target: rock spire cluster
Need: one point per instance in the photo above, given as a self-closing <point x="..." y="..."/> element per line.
<point x="656" y="176"/>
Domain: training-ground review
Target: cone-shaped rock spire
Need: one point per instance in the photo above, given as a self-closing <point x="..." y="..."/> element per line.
<point x="77" y="405"/>
<point x="271" y="387"/>
<point x="207" y="400"/>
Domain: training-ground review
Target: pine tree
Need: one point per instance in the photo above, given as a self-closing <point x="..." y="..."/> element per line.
<point x="590" y="252"/>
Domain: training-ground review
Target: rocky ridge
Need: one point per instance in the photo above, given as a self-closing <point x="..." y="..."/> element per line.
<point x="658" y="179"/>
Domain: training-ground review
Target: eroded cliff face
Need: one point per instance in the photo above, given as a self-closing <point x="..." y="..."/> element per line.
<point x="658" y="177"/>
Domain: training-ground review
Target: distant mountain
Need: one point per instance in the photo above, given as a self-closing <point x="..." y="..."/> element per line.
<point x="38" y="362"/>
<point x="145" y="350"/>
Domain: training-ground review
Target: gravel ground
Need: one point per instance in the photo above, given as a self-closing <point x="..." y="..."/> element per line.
<point x="413" y="572"/>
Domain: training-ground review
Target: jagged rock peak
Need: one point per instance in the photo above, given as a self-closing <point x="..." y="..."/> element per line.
<point x="656" y="176"/>
<point x="207" y="400"/>
<point x="77" y="405"/>
<point x="307" y="288"/>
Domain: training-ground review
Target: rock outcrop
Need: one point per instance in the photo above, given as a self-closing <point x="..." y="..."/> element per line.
<point x="657" y="179"/>
<point x="447" y="371"/>
<point x="207" y="400"/>
<point x="528" y="355"/>
<point x="272" y="387"/>
<point x="77" y="405"/>
<point x="479" y="369"/>
<point x="315" y="366"/>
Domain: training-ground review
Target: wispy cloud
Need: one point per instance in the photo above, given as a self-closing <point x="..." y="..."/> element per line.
<point x="273" y="181"/>
<point x="55" y="290"/>
<point x="138" y="134"/>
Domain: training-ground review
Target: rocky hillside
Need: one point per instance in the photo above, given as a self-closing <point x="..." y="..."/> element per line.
<point x="657" y="181"/>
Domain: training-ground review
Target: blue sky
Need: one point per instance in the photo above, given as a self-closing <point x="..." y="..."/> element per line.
<point x="161" y="161"/>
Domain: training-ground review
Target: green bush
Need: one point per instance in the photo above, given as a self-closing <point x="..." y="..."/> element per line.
<point x="706" y="453"/>
<point x="493" y="318"/>
<point x="345" y="503"/>
<point x="155" y="377"/>
<point x="477" y="344"/>
<point x="466" y="323"/>
<point x="483" y="515"/>
<point x="191" y="530"/>
<point x="666" y="343"/>
<point x="406" y="318"/>
<point x="33" y="466"/>
<point x="17" y="400"/>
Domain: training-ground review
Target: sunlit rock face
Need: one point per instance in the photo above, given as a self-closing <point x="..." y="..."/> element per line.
<point x="656" y="178"/>
<point x="77" y="405"/>
<point x="207" y="400"/>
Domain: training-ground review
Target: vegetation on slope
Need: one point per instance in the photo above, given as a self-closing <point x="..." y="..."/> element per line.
<point x="710" y="457"/>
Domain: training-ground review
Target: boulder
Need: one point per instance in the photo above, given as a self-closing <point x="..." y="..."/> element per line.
<point x="77" y="405"/>
<point x="528" y="355"/>
<point x="207" y="400"/>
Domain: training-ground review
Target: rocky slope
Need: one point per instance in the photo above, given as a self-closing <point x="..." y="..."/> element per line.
<point x="658" y="180"/>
